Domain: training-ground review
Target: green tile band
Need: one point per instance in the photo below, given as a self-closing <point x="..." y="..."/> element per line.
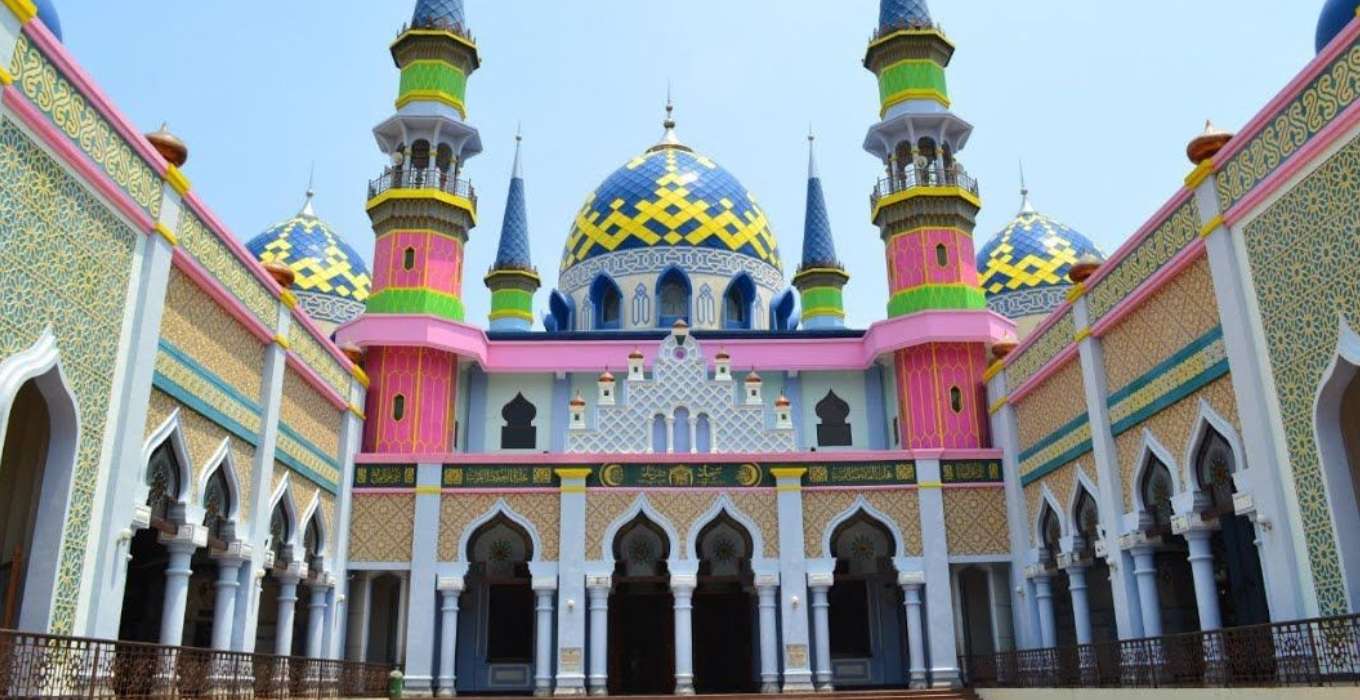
<point x="912" y="77"/>
<point x="425" y="77"/>
<point x="822" y="301"/>
<point x="512" y="303"/>
<point x="416" y="301"/>
<point x="934" y="297"/>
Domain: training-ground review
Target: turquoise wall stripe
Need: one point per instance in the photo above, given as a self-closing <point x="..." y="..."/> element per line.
<point x="1055" y="436"/>
<point x="1166" y="365"/>
<point x="1195" y="383"/>
<point x="184" y="359"/>
<point x="304" y="472"/>
<point x="320" y="454"/>
<point x="1048" y="467"/>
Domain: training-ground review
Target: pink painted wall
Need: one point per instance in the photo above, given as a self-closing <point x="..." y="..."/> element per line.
<point x="427" y="382"/>
<point x="926" y="375"/>
<point x="438" y="262"/>
<point x="913" y="260"/>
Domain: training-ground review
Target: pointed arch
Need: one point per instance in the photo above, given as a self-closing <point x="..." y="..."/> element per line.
<point x="606" y="303"/>
<point x="862" y="504"/>
<point x="221" y="461"/>
<point x="1207" y="422"/>
<point x="739" y="303"/>
<point x="1047" y="500"/>
<point x="41" y="364"/>
<point x="172" y="432"/>
<point x="641" y="506"/>
<point x="1082" y="483"/>
<point x="782" y="309"/>
<point x="502" y="509"/>
<point x="1337" y="449"/>
<point x="674" y="296"/>
<point x="724" y="504"/>
<point x="282" y="498"/>
<point x="313" y="512"/>
<point x="1149" y="451"/>
<point x="561" y="312"/>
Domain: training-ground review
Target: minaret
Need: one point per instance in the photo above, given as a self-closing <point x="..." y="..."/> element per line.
<point x="513" y="279"/>
<point x="925" y="208"/>
<point x="821" y="276"/>
<point x="422" y="211"/>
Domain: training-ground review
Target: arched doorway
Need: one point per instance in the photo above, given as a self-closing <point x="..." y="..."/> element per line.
<point x="641" y="612"/>
<point x="1065" y="625"/>
<point x="144" y="587"/>
<point x="724" y="616"/>
<point x="384" y="636"/>
<point x="219" y="503"/>
<point x="311" y="555"/>
<point x="865" y="613"/>
<point x="278" y="590"/>
<point x="1338" y="438"/>
<point x="496" y="623"/>
<point x="21" y="470"/>
<point x="1099" y="591"/>
<point x="1237" y="562"/>
<point x="1175" y="582"/>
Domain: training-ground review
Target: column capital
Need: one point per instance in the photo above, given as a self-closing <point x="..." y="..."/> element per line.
<point x="449" y="584"/>
<point x="237" y="553"/>
<point x="599" y="582"/>
<point x="767" y="581"/>
<point x="288" y="577"/>
<point x="1193" y="525"/>
<point x="189" y="536"/>
<point x="820" y="579"/>
<point x="911" y="578"/>
<point x="684" y="583"/>
<point x="544" y="584"/>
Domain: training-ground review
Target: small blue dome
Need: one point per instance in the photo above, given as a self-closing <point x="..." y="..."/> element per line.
<point x="1023" y="269"/>
<point x="331" y="279"/>
<point x="438" y="14"/>
<point x="1336" y="14"/>
<point x="48" y="14"/>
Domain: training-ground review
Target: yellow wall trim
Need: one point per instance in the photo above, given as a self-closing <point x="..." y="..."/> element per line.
<point x="996" y="407"/>
<point x="993" y="370"/>
<point x="911" y="32"/>
<point x="573" y="472"/>
<point x="575" y="488"/>
<point x="427" y="193"/>
<point x="788" y="472"/>
<point x="1199" y="174"/>
<point x="438" y="32"/>
<point x="282" y="341"/>
<point x="176" y="180"/>
<point x="511" y="313"/>
<point x="788" y="488"/>
<point x="1076" y="292"/>
<point x="24" y="10"/>
<point x="930" y="485"/>
<point x="358" y="412"/>
<point x="5" y="77"/>
<point x="914" y="192"/>
<point x="164" y="232"/>
<point x="288" y="298"/>
<point x="1213" y="224"/>
<point x="359" y="375"/>
<point x="433" y="96"/>
<point x="1082" y="334"/>
<point x="898" y="98"/>
<point x="428" y="491"/>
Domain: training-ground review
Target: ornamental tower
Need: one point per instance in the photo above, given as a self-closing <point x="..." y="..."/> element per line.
<point x="821" y="276"/>
<point x="925" y="208"/>
<point x="513" y="279"/>
<point x="421" y="211"/>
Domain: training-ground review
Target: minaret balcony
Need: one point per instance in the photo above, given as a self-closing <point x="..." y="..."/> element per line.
<point x="436" y="179"/>
<point x="932" y="176"/>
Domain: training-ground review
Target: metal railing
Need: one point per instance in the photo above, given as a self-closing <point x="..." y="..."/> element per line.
<point x="934" y="175"/>
<point x="422" y="179"/>
<point x="1318" y="652"/>
<point x="35" y="665"/>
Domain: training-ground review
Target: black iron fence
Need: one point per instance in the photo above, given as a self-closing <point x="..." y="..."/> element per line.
<point x="1319" y="652"/>
<point x="410" y="178"/>
<point x="34" y="665"/>
<point x="934" y="175"/>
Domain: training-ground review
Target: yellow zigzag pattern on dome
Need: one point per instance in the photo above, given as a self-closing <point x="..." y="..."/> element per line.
<point x="1030" y="270"/>
<point x="333" y="275"/>
<point x="592" y="229"/>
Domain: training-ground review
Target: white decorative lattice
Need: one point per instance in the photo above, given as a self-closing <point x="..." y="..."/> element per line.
<point x="680" y="380"/>
<point x="654" y="260"/>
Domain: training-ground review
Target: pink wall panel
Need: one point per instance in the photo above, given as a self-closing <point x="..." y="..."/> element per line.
<point x="426" y="380"/>
<point x="438" y="262"/>
<point x="904" y="262"/>
<point x="925" y="376"/>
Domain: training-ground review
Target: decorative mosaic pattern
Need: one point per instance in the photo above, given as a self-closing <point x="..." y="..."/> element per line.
<point x="1051" y="405"/>
<point x="1178" y="231"/>
<point x="196" y="239"/>
<point x="72" y="114"/>
<point x="327" y="508"/>
<point x="1178" y="313"/>
<point x="1028" y="302"/>
<point x="198" y="327"/>
<point x="456" y="513"/>
<point x="679" y="378"/>
<point x="1198" y="364"/>
<point x="1044" y="348"/>
<point x="971" y="472"/>
<point x="1330" y="93"/>
<point x="307" y="461"/>
<point x="381" y="527"/>
<point x="603" y="508"/>
<point x="309" y="415"/>
<point x="1306" y="241"/>
<point x="392" y="476"/>
<point x="975" y="521"/>
<point x="648" y="260"/>
<point x="309" y="349"/>
<point x="322" y="262"/>
<point x="820" y="507"/>
<point x="1032" y="252"/>
<point x="195" y="386"/>
<point x="47" y="216"/>
<point x="762" y="508"/>
<point x="202" y="438"/>
<point x="484" y="476"/>
<point x="682" y="508"/>
<point x="1173" y="427"/>
<point x="863" y="474"/>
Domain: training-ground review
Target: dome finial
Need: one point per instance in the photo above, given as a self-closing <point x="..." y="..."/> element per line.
<point x="1026" y="206"/>
<point x="517" y="171"/>
<point x="669" y="139"/>
<point x="307" y="209"/>
<point x="812" y="155"/>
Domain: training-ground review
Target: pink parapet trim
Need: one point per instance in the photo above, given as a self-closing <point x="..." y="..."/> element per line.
<point x="1266" y="115"/>
<point x="983" y="485"/>
<point x="76" y="159"/>
<point x="311" y="377"/>
<point x="801" y="354"/>
<point x="67" y="66"/>
<point x="1299" y="161"/>
<point x="1043" y="374"/>
<point x="213" y="288"/>
<point x="857" y="488"/>
<point x="1150" y="286"/>
<point x="790" y="458"/>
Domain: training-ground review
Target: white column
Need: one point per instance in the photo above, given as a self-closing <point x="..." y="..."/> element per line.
<point x="694" y="434"/>
<point x="283" y="633"/>
<point x="224" y="601"/>
<point x="177" y="573"/>
<point x="939" y="605"/>
<point x="1081" y="605"/>
<point x="597" y="587"/>
<point x="793" y="579"/>
<point x="682" y="587"/>
<point x="818" y="584"/>
<point x="1048" y="627"/>
<point x="1145" y="571"/>
<point x="769" y="645"/>
<point x="403" y="610"/>
<point x="449" y="589"/>
<point x="356" y="646"/>
<point x="543" y="640"/>
<point x="916" y="635"/>
<point x="316" y="619"/>
<point x="1202" y="566"/>
<point x="422" y="581"/>
<point x="572" y="581"/>
<point x="670" y="434"/>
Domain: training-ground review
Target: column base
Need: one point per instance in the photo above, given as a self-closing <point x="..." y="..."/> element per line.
<point x="769" y="687"/>
<point x="684" y="688"/>
<point x="798" y="687"/>
<point x="447" y="693"/>
<point x="599" y="691"/>
<point x="918" y="681"/>
<point x="945" y="678"/>
<point x="417" y="687"/>
<point x="567" y="690"/>
<point x="543" y="692"/>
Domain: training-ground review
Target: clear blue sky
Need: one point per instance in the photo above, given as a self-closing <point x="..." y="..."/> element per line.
<point x="1099" y="98"/>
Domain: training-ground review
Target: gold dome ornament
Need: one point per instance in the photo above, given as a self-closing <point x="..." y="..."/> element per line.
<point x="171" y="148"/>
<point x="1083" y="268"/>
<point x="1207" y="144"/>
<point x="281" y="273"/>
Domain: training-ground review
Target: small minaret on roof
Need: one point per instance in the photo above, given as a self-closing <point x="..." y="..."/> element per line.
<point x="513" y="279"/>
<point x="821" y="276"/>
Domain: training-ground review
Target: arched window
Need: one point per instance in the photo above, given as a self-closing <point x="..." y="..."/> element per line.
<point x="1051" y="530"/>
<point x="834" y="430"/>
<point x="1214" y="467"/>
<point x="737" y="301"/>
<point x="311" y="544"/>
<point x="561" y="313"/>
<point x="398" y="407"/>
<point x="519" y="432"/>
<point x="607" y="303"/>
<point x="703" y="434"/>
<point x="420" y="155"/>
<point x="162" y="475"/>
<point x="408" y="259"/>
<point x="681" y="439"/>
<point x="672" y="292"/>
<point x="1087" y="518"/>
<point x="217" y="507"/>
<point x="1156" y="489"/>
<point x="956" y="399"/>
<point x="942" y="255"/>
<point x="659" y="434"/>
<point x="279" y="534"/>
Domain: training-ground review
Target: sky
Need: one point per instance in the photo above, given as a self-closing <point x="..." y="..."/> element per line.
<point x="1097" y="98"/>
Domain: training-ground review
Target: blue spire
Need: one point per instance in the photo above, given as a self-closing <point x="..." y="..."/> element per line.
<point x="819" y="250"/>
<point x="438" y="14"/>
<point x="513" y="253"/>
<point x="903" y="14"/>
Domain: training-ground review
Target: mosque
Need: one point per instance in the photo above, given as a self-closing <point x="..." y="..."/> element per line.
<point x="677" y="470"/>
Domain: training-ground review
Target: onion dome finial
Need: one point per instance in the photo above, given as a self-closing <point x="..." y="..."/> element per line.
<point x="1083" y="268"/>
<point x="171" y="148"/>
<point x="1207" y="144"/>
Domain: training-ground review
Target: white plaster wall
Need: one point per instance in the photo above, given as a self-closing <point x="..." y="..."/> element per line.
<point x="500" y="389"/>
<point x="850" y="387"/>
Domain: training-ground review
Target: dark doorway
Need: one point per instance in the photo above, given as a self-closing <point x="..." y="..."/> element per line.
<point x="641" y="613"/>
<point x="1175" y="582"/>
<point x="865" y="615"/>
<point x="21" y="470"/>
<point x="724" y="616"/>
<point x="144" y="588"/>
<point x="834" y="430"/>
<point x="1237" y="564"/>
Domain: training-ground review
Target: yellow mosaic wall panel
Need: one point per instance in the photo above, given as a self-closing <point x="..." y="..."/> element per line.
<point x="1179" y="313"/>
<point x="199" y="328"/>
<point x="1173" y="428"/>
<point x="457" y="512"/>
<point x="820" y="507"/>
<point x="602" y="508"/>
<point x="975" y="521"/>
<point x="202" y="438"/>
<point x="381" y="526"/>
<point x="1042" y="350"/>
<point x="314" y="355"/>
<point x="763" y="508"/>
<point x="309" y="414"/>
<point x="1061" y="481"/>
<point x="682" y="509"/>
<point x="1171" y="236"/>
<point x="1052" y="405"/>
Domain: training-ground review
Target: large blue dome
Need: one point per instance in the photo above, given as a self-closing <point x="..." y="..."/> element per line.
<point x="1336" y="14"/>
<point x="670" y="196"/>
<point x="331" y="279"/>
<point x="47" y="12"/>
<point x="1023" y="268"/>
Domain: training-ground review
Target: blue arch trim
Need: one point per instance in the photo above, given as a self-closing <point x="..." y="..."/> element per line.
<point x="561" y="313"/>
<point x="745" y="288"/>
<point x="603" y="285"/>
<point x="669" y="275"/>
